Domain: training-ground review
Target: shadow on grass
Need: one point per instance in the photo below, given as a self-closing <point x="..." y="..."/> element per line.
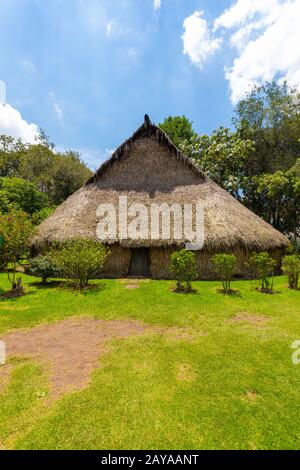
<point x="47" y="285"/>
<point x="231" y="292"/>
<point x="63" y="284"/>
<point x="92" y="289"/>
<point x="176" y="290"/>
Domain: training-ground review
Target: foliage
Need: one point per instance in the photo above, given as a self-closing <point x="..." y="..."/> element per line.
<point x="55" y="174"/>
<point x="44" y="267"/>
<point x="222" y="157"/>
<point x="225" y="265"/>
<point x="15" y="231"/>
<point x="270" y="116"/>
<point x="183" y="266"/>
<point x="179" y="129"/>
<point x="18" y="194"/>
<point x="259" y="162"/>
<point x="38" y="217"/>
<point x="276" y="197"/>
<point x="80" y="260"/>
<point x="291" y="267"/>
<point x="262" y="266"/>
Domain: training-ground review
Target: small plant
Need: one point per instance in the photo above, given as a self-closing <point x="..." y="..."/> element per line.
<point x="291" y="267"/>
<point x="44" y="267"/>
<point x="15" y="231"/>
<point x="80" y="260"/>
<point x="183" y="266"/>
<point x="262" y="266"/>
<point x="225" y="265"/>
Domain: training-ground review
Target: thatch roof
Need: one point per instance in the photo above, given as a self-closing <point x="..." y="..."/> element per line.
<point x="148" y="168"/>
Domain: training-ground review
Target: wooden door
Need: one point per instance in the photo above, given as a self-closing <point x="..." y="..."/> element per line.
<point x="139" y="265"/>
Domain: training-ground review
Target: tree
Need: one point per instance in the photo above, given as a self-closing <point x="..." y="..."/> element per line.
<point x="21" y="195"/>
<point x="270" y="116"/>
<point x="291" y="267"/>
<point x="262" y="266"/>
<point x="225" y="265"/>
<point x="44" y="267"/>
<point x="183" y="266"/>
<point x="222" y="157"/>
<point x="57" y="174"/>
<point x="178" y="128"/>
<point x="276" y="198"/>
<point x="11" y="154"/>
<point x="80" y="260"/>
<point x="15" y="231"/>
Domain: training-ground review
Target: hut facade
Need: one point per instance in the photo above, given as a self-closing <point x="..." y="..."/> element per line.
<point x="148" y="169"/>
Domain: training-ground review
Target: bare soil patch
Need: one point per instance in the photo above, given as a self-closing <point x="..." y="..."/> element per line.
<point x="70" y="349"/>
<point x="244" y="317"/>
<point x="185" y="373"/>
<point x="251" y="396"/>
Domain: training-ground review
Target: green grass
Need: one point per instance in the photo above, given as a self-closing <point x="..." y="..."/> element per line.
<point x="135" y="400"/>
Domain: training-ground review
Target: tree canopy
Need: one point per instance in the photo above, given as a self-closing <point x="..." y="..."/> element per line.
<point x="55" y="174"/>
<point x="258" y="161"/>
<point x="179" y="129"/>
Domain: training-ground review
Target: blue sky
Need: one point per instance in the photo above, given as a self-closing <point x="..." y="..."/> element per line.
<point x="87" y="71"/>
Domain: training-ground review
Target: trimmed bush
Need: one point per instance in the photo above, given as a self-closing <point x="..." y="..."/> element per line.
<point x="291" y="267"/>
<point x="225" y="265"/>
<point x="263" y="266"/>
<point x="44" y="267"/>
<point x="183" y="266"/>
<point x="80" y="260"/>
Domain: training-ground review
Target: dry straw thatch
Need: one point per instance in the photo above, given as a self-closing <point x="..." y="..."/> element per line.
<point x="148" y="168"/>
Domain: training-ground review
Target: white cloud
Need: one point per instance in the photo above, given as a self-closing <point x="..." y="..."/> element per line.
<point x="132" y="52"/>
<point x="109" y="28"/>
<point x="2" y="92"/>
<point x="114" y="29"/>
<point x="244" y="10"/>
<point x="28" y="66"/>
<point x="12" y="123"/>
<point x="197" y="41"/>
<point x="272" y="53"/>
<point x="265" y="36"/>
<point x="157" y="4"/>
<point x="57" y="109"/>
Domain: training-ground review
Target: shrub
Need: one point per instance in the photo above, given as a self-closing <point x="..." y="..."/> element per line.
<point x="80" y="260"/>
<point x="262" y="266"/>
<point x="225" y="265"/>
<point x="15" y="232"/>
<point x="183" y="266"/>
<point x="291" y="267"/>
<point x="44" y="267"/>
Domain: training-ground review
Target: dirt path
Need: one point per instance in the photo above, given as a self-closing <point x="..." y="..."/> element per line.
<point x="70" y="349"/>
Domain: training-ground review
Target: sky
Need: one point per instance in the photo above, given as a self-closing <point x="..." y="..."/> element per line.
<point x="86" y="71"/>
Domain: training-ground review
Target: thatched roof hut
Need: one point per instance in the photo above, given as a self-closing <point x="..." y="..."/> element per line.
<point x="148" y="168"/>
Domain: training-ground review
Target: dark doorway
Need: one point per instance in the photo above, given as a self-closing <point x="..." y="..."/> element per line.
<point x="139" y="265"/>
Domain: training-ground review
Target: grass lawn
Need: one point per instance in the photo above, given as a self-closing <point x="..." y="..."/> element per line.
<point x="231" y="384"/>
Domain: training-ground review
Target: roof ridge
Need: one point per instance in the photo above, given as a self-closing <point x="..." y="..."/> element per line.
<point x="146" y="129"/>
